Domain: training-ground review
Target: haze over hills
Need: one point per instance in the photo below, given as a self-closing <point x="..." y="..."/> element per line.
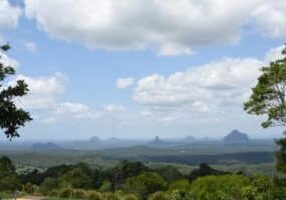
<point x="96" y="143"/>
<point x="46" y="147"/>
<point x="187" y="150"/>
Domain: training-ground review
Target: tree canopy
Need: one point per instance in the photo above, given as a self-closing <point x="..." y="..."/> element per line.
<point x="268" y="98"/>
<point x="11" y="117"/>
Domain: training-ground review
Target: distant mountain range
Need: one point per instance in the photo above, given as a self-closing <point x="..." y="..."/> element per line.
<point x="96" y="143"/>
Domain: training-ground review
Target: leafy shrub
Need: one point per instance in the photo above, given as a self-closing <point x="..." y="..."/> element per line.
<point x="158" y="196"/>
<point x="179" y="195"/>
<point x="262" y="183"/>
<point x="278" y="193"/>
<point x="218" y="187"/>
<point x="93" y="195"/>
<point x="130" y="197"/>
<point x="105" y="187"/>
<point x="77" y="178"/>
<point x="54" y="193"/>
<point x="170" y="173"/>
<point x="249" y="192"/>
<point x="182" y="185"/>
<point x="48" y="185"/>
<point x="144" y="184"/>
<point x="66" y="193"/>
<point x="175" y="195"/>
<point x="79" y="194"/>
<point x="28" y="188"/>
<point x="112" y="196"/>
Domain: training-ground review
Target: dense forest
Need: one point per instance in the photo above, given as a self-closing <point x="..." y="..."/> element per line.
<point x="134" y="180"/>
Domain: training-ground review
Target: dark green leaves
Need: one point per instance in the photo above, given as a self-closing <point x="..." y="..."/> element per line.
<point x="11" y="117"/>
<point x="268" y="96"/>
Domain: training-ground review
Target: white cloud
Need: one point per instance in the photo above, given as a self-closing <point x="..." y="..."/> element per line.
<point x="9" y="15"/>
<point x="79" y="111"/>
<point x="171" y="27"/>
<point x="113" y="108"/>
<point x="7" y="61"/>
<point x="124" y="83"/>
<point x="44" y="91"/>
<point x="31" y="46"/>
<point x="174" y="50"/>
<point x="75" y="110"/>
<point x="274" y="54"/>
<point x="270" y="16"/>
<point x="213" y="88"/>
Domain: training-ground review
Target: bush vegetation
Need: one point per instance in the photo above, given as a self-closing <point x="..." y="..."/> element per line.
<point x="135" y="181"/>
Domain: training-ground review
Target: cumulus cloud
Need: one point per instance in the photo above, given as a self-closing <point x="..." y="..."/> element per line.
<point x="75" y="110"/>
<point x="274" y="54"/>
<point x="44" y="91"/>
<point x="123" y="83"/>
<point x="270" y="17"/>
<point x="211" y="88"/>
<point x="9" y="15"/>
<point x="170" y="27"/>
<point x="8" y="61"/>
<point x="79" y="111"/>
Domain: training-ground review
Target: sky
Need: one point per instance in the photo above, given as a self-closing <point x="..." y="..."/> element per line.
<point x="140" y="68"/>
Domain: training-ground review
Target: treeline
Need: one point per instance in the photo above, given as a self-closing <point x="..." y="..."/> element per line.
<point x="135" y="181"/>
<point x="244" y="157"/>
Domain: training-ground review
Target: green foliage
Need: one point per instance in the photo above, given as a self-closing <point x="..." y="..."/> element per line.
<point x="269" y="98"/>
<point x="124" y="170"/>
<point x="204" y="170"/>
<point x="262" y="183"/>
<point x="112" y="196"/>
<point x="281" y="154"/>
<point x="79" y="194"/>
<point x="278" y="193"/>
<point x="183" y="185"/>
<point x="8" y="177"/>
<point x="49" y="185"/>
<point x="249" y="192"/>
<point x="66" y="193"/>
<point x="30" y="189"/>
<point x="144" y="184"/>
<point x="93" y="195"/>
<point x="179" y="195"/>
<point x="218" y="187"/>
<point x="158" y="196"/>
<point x="76" y="178"/>
<point x="105" y="187"/>
<point x="170" y="173"/>
<point x="130" y="197"/>
<point x="11" y="117"/>
<point x="149" y="185"/>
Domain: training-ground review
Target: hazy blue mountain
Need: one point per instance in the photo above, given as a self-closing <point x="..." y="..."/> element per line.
<point x="157" y="142"/>
<point x="95" y="140"/>
<point x="236" y="137"/>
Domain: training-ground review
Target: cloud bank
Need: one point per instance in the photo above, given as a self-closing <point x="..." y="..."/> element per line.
<point x="170" y="27"/>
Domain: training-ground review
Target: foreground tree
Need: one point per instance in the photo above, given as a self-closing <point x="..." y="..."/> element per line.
<point x="268" y="98"/>
<point x="11" y="117"/>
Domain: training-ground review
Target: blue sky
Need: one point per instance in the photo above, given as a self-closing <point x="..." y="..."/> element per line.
<point x="138" y="69"/>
